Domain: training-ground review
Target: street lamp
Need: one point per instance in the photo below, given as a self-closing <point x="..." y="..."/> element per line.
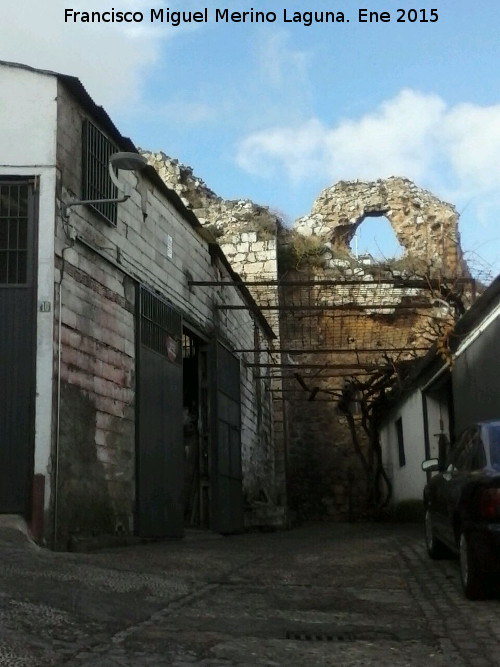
<point x="127" y="162"/>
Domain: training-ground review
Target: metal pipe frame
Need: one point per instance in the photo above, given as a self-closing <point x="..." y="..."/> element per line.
<point x="331" y="350"/>
<point x="343" y="306"/>
<point x="305" y="377"/>
<point x="298" y="367"/>
<point x="398" y="282"/>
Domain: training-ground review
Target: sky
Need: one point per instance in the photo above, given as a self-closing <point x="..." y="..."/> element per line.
<point x="277" y="111"/>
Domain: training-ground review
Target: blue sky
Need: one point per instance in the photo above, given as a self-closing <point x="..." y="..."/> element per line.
<point x="276" y="112"/>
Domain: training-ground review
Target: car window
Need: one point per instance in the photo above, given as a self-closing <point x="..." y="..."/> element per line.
<point x="463" y="451"/>
<point x="493" y="437"/>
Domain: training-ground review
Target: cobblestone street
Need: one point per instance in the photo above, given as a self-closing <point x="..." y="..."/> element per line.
<point x="330" y="594"/>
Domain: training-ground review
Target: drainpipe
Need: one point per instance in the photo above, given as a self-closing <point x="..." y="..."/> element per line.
<point x="58" y="395"/>
<point x="58" y="408"/>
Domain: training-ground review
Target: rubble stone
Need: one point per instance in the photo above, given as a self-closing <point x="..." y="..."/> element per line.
<point x="340" y="209"/>
<point x="320" y="452"/>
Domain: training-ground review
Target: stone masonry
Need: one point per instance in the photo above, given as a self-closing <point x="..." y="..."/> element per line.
<point x="426" y="227"/>
<point x="247" y="233"/>
<point x="324" y="478"/>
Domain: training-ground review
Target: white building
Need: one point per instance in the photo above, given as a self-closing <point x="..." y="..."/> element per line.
<point x="124" y="408"/>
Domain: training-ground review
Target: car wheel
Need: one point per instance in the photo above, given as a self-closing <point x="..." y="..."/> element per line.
<point x="470" y="572"/>
<point x="435" y="548"/>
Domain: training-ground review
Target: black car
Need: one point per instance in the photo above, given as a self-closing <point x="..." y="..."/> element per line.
<point x="462" y="505"/>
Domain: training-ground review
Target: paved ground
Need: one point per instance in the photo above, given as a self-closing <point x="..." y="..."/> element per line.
<point x="348" y="595"/>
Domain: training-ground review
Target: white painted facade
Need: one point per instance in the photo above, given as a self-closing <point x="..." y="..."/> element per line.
<point x="28" y="127"/>
<point x="408" y="480"/>
<point x="438" y="420"/>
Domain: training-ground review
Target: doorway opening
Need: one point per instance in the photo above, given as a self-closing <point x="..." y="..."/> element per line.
<point x="196" y="431"/>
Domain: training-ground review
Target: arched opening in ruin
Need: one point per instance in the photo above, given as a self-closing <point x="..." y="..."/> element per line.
<point x="375" y="240"/>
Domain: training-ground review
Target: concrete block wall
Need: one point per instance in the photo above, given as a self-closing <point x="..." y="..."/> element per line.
<point x="99" y="265"/>
<point x="247" y="233"/>
<point x="96" y="434"/>
<point x="253" y="254"/>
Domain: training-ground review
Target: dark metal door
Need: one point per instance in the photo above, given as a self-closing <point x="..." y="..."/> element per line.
<point x="18" y="230"/>
<point x="227" y="493"/>
<point x="160" y="454"/>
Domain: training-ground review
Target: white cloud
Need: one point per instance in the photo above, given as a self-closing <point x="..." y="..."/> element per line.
<point x="279" y="62"/>
<point x="416" y="135"/>
<point x="472" y="141"/>
<point x="397" y="138"/>
<point x="299" y="150"/>
<point x="109" y="58"/>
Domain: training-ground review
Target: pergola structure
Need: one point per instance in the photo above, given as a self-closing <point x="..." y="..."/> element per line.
<point x="340" y="343"/>
<point x="338" y="328"/>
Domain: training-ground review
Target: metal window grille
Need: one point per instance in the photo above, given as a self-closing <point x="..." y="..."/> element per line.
<point x="161" y="326"/>
<point x="188" y="347"/>
<point x="13" y="233"/>
<point x="97" y="149"/>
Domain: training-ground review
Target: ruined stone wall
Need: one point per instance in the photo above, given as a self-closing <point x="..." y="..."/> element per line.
<point x="425" y="226"/>
<point x="324" y="475"/>
<point x="326" y="478"/>
<point x="246" y="231"/>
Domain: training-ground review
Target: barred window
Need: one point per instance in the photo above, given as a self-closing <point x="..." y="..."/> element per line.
<point x="97" y="184"/>
<point x="161" y="326"/>
<point x="13" y="233"/>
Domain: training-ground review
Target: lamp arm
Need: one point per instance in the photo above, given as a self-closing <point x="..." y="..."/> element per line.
<point x="128" y="162"/>
<point x="81" y="202"/>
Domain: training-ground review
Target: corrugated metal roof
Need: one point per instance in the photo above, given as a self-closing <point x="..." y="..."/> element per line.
<point x="476" y="313"/>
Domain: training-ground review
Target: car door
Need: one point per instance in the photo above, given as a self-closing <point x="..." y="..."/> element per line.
<point x="445" y="486"/>
<point x="438" y="490"/>
<point x="458" y="476"/>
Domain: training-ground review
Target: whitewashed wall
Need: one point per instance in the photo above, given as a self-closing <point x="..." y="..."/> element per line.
<point x="409" y="480"/>
<point x="28" y="124"/>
